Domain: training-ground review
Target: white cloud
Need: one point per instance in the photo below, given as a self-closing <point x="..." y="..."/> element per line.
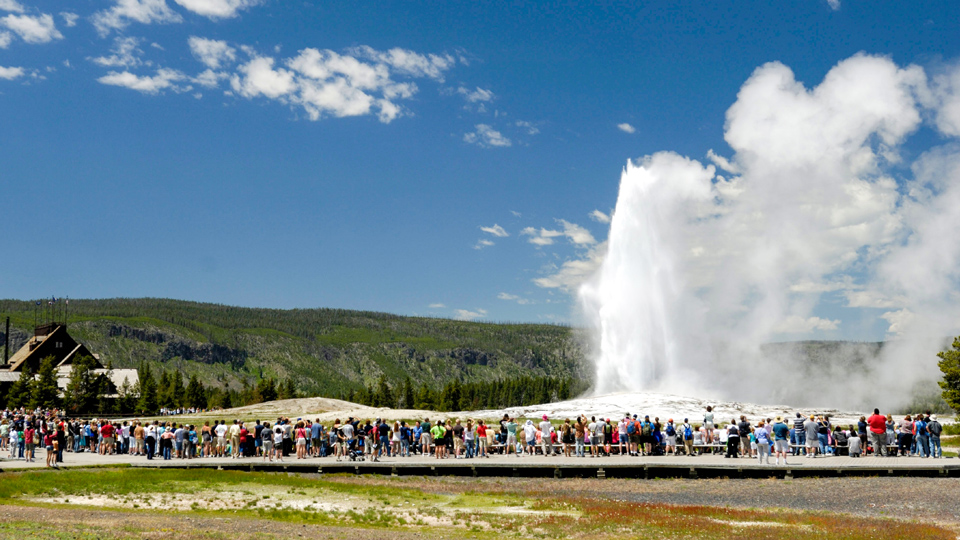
<point x="326" y="83"/>
<point x="126" y="53"/>
<point x="721" y="162"/>
<point x="800" y="325"/>
<point x="211" y="52"/>
<point x="871" y="299"/>
<point x="477" y="95"/>
<point x="11" y="5"/>
<point x="528" y="127"/>
<point x="577" y="234"/>
<point x="165" y="79"/>
<point x="258" y="78"/>
<point x="437" y="306"/>
<point x="32" y="29"/>
<point x="516" y="214"/>
<point x="5" y="39"/>
<point x="486" y="137"/>
<point x="210" y="78"/>
<point x="496" y="230"/>
<point x="545" y="237"/>
<point x="217" y="9"/>
<point x="10" y="73"/>
<point x="946" y="93"/>
<point x="626" y="128"/>
<point x="540" y="237"/>
<point x="467" y="315"/>
<point x="834" y="4"/>
<point x="69" y="19"/>
<point x="124" y="12"/>
<point x="899" y="321"/>
<point x="507" y="296"/>
<point x="599" y="216"/>
<point x="482" y="243"/>
<point x="409" y="63"/>
<point x="574" y="272"/>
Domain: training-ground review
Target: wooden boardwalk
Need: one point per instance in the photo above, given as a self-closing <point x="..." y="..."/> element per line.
<point x="704" y="466"/>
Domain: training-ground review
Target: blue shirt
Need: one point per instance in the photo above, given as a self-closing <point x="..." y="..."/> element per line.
<point x="315" y="431"/>
<point x="780" y="431"/>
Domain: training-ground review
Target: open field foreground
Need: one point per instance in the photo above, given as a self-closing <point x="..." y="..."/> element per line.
<point x="203" y="503"/>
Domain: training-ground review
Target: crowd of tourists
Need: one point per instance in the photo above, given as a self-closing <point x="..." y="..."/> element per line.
<point x="21" y="432"/>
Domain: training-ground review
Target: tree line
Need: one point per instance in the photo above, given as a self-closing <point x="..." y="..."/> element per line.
<point x="460" y="396"/>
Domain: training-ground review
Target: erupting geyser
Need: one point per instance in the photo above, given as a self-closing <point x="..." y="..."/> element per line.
<point x="649" y="325"/>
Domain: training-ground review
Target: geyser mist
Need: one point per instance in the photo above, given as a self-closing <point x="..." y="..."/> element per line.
<point x="813" y="229"/>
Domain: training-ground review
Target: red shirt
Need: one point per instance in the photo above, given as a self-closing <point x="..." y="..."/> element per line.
<point x="877" y="423"/>
<point x="107" y="430"/>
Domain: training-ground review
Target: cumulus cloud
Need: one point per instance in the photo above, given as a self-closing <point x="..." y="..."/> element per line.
<point x="545" y="237"/>
<point x="626" y="128"/>
<point x="123" y="12"/>
<point x="528" y="127"/>
<point x="32" y="29"/>
<point x="327" y="83"/>
<point x="213" y="53"/>
<point x="817" y="213"/>
<point x="800" y="325"/>
<point x="10" y="73"/>
<point x="126" y="53"/>
<point x="217" y="9"/>
<point x="513" y="298"/>
<point x="486" y="137"/>
<point x="476" y="95"/>
<point x="467" y="315"/>
<point x="11" y="5"/>
<point x="834" y="4"/>
<point x="482" y="243"/>
<point x="164" y="79"/>
<point x="69" y="19"/>
<point x="5" y="39"/>
<point x="574" y="272"/>
<point x="496" y="230"/>
<point x="599" y="216"/>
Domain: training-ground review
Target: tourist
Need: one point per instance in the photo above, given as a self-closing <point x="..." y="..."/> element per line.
<point x="426" y="437"/>
<point x="905" y="437"/>
<point x="934" y="429"/>
<point x="512" y="436"/>
<point x="151" y="439"/>
<point x="853" y="443"/>
<point x="546" y="443"/>
<point x="530" y="436"/>
<point x="733" y="440"/>
<point x="812" y="439"/>
<point x="470" y="439"/>
<point x="646" y="435"/>
<point x="166" y="443"/>
<point x="266" y="435"/>
<point x="878" y="433"/>
<point x="708" y="424"/>
<point x="278" y="443"/>
<point x="670" y="438"/>
<point x="921" y="436"/>
<point x="781" y="440"/>
<point x="482" y="439"/>
<point x="745" y="432"/>
<point x="579" y="430"/>
<point x="567" y="438"/>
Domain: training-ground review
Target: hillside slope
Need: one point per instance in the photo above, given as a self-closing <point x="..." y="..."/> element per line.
<point x="326" y="351"/>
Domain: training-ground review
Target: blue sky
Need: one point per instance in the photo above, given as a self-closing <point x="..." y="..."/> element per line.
<point x="182" y="149"/>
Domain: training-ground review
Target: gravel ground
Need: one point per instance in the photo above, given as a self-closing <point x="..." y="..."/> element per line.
<point x="901" y="498"/>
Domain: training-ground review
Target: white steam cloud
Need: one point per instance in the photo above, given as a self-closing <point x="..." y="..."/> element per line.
<point x="701" y="269"/>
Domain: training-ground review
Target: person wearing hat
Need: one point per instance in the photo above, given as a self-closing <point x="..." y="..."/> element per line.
<point x="781" y="440"/>
<point x="546" y="444"/>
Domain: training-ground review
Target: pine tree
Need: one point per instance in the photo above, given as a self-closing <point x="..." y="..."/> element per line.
<point x="950" y="366"/>
<point x="178" y="392"/>
<point x="267" y="389"/>
<point x="46" y="392"/>
<point x="81" y="394"/>
<point x="127" y="401"/>
<point x="287" y="390"/>
<point x="407" y="393"/>
<point x="22" y="389"/>
<point x="147" y="403"/>
<point x="196" y="396"/>
<point x="384" y="395"/>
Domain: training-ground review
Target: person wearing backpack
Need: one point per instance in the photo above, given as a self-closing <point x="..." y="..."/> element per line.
<point x="646" y="436"/>
<point x="687" y="436"/>
<point x="670" y="436"/>
<point x="934" y="429"/>
<point x="632" y="436"/>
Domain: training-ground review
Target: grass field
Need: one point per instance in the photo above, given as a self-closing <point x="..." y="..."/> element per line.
<point x="221" y="504"/>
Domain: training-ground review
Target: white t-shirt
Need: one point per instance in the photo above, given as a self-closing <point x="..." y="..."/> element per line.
<point x="221" y="430"/>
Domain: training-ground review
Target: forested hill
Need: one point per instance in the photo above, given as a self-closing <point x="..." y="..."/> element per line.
<point x="325" y="351"/>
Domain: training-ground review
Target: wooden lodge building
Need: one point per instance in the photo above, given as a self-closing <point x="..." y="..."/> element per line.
<point x="52" y="339"/>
